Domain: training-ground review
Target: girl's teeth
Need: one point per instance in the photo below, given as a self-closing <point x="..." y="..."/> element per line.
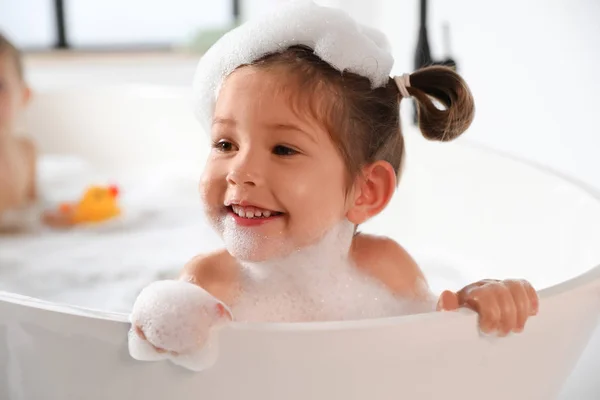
<point x="250" y="213"/>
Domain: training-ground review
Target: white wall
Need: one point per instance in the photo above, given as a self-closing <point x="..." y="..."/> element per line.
<point x="533" y="69"/>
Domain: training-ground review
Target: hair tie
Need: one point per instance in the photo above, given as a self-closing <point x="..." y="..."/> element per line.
<point x="403" y="81"/>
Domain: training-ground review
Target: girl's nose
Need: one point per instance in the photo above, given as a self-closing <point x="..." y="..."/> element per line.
<point x="236" y="177"/>
<point x="247" y="170"/>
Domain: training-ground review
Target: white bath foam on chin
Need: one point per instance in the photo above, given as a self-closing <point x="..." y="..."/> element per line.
<point x="239" y="242"/>
<point x="243" y="242"/>
<point x="318" y="283"/>
<point x="181" y="318"/>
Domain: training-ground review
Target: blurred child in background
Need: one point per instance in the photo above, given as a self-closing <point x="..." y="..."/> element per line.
<point x="17" y="154"/>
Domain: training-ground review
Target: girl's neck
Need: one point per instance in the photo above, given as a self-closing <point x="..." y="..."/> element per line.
<point x="328" y="255"/>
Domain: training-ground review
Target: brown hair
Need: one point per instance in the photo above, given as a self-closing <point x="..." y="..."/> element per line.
<point x="6" y="47"/>
<point x="364" y="122"/>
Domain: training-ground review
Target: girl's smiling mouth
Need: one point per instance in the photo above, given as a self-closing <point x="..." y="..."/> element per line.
<point x="251" y="215"/>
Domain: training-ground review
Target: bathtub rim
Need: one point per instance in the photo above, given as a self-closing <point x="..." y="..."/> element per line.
<point x="585" y="280"/>
<point x="589" y="280"/>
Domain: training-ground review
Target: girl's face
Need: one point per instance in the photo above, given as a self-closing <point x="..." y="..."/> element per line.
<point x="274" y="181"/>
<point x="13" y="94"/>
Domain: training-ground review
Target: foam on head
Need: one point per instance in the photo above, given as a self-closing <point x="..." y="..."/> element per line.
<point x="333" y="35"/>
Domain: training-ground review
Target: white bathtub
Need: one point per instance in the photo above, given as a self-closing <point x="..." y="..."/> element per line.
<point x="458" y="208"/>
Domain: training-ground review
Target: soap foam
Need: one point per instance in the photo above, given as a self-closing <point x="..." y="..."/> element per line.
<point x="197" y="360"/>
<point x="244" y="243"/>
<point x="318" y="283"/>
<point x="333" y="35"/>
<point x="179" y="317"/>
<point x="315" y="283"/>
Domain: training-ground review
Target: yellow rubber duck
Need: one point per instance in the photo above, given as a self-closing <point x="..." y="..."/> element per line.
<point x="98" y="204"/>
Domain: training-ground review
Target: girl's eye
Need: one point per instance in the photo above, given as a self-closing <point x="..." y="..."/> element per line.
<point x="223" y="146"/>
<point x="284" y="151"/>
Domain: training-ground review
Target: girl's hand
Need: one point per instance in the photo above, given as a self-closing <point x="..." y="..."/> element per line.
<point x="174" y="317"/>
<point x="503" y="306"/>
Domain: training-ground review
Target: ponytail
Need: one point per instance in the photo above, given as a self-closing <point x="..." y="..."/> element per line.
<point x="447" y="87"/>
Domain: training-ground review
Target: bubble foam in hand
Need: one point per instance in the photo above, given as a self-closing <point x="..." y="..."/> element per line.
<point x="180" y="318"/>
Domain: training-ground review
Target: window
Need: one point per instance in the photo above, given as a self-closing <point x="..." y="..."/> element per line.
<point x="108" y="24"/>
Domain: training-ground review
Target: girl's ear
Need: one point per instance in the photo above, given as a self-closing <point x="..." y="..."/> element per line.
<point x="373" y="190"/>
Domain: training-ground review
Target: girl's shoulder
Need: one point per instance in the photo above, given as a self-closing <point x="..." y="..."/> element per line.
<point x="386" y="260"/>
<point x="218" y="273"/>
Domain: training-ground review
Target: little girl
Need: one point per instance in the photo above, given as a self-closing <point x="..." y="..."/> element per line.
<point x="307" y="146"/>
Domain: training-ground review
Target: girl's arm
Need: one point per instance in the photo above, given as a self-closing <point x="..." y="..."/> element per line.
<point x="503" y="306"/>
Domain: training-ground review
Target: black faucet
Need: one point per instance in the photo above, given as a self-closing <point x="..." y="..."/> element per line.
<point x="423" y="56"/>
<point x="423" y="53"/>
